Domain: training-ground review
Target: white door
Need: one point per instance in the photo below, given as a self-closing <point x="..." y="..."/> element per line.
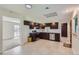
<point x="11" y="32"/>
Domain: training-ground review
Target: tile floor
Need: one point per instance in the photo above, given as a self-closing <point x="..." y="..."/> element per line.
<point x="40" y="47"/>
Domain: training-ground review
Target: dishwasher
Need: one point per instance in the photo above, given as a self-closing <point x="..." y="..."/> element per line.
<point x="52" y="36"/>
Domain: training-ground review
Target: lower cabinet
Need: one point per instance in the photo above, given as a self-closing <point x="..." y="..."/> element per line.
<point x="57" y="37"/>
<point x="46" y="36"/>
<point x="50" y="36"/>
<point x="33" y="36"/>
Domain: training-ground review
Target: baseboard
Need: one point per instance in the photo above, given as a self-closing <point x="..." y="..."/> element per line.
<point x="0" y="52"/>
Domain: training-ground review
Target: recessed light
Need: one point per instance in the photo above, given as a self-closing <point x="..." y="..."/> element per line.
<point x="29" y="6"/>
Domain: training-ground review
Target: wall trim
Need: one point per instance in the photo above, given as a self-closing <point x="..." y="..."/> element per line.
<point x="0" y="52"/>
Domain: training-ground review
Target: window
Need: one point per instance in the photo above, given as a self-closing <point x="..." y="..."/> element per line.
<point x="16" y="30"/>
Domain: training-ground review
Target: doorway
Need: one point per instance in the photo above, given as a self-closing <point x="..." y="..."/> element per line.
<point x="11" y="33"/>
<point x="64" y="30"/>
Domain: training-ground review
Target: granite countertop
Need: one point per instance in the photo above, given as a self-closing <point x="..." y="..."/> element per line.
<point x="44" y="32"/>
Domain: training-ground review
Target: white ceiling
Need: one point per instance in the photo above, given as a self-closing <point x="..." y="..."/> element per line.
<point x="38" y="10"/>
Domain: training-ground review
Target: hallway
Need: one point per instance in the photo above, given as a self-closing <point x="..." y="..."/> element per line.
<point x="40" y="47"/>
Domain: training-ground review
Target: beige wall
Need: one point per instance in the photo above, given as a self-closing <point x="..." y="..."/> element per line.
<point x="12" y="15"/>
<point x="0" y="34"/>
<point x="75" y="39"/>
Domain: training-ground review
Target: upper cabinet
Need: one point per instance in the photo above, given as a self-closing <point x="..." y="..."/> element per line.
<point x="54" y="25"/>
<point x="37" y="25"/>
<point x="32" y="25"/>
<point x="48" y="24"/>
<point x="40" y="25"/>
<point x="26" y="22"/>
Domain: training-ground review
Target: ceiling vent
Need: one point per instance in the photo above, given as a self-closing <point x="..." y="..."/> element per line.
<point x="50" y="15"/>
<point x="47" y="8"/>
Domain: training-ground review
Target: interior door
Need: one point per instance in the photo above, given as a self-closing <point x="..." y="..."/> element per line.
<point x="11" y="33"/>
<point x="64" y="30"/>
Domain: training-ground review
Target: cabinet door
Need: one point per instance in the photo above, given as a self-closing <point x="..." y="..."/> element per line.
<point x="57" y="37"/>
<point x="42" y="26"/>
<point x="64" y="30"/>
<point x="54" y="26"/>
<point x="44" y="36"/>
<point x="31" y="26"/>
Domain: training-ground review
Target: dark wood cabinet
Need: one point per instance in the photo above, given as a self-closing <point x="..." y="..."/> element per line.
<point x="54" y="26"/>
<point x="57" y="37"/>
<point x="37" y="25"/>
<point x="40" y="25"/>
<point x="43" y="27"/>
<point x="64" y="30"/>
<point x="26" y="23"/>
<point x="33" y="36"/>
<point x="48" y="24"/>
<point x="32" y="26"/>
<point x="44" y="35"/>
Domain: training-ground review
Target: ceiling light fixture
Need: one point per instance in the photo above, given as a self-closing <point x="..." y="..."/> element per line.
<point x="29" y="6"/>
<point x="47" y="8"/>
